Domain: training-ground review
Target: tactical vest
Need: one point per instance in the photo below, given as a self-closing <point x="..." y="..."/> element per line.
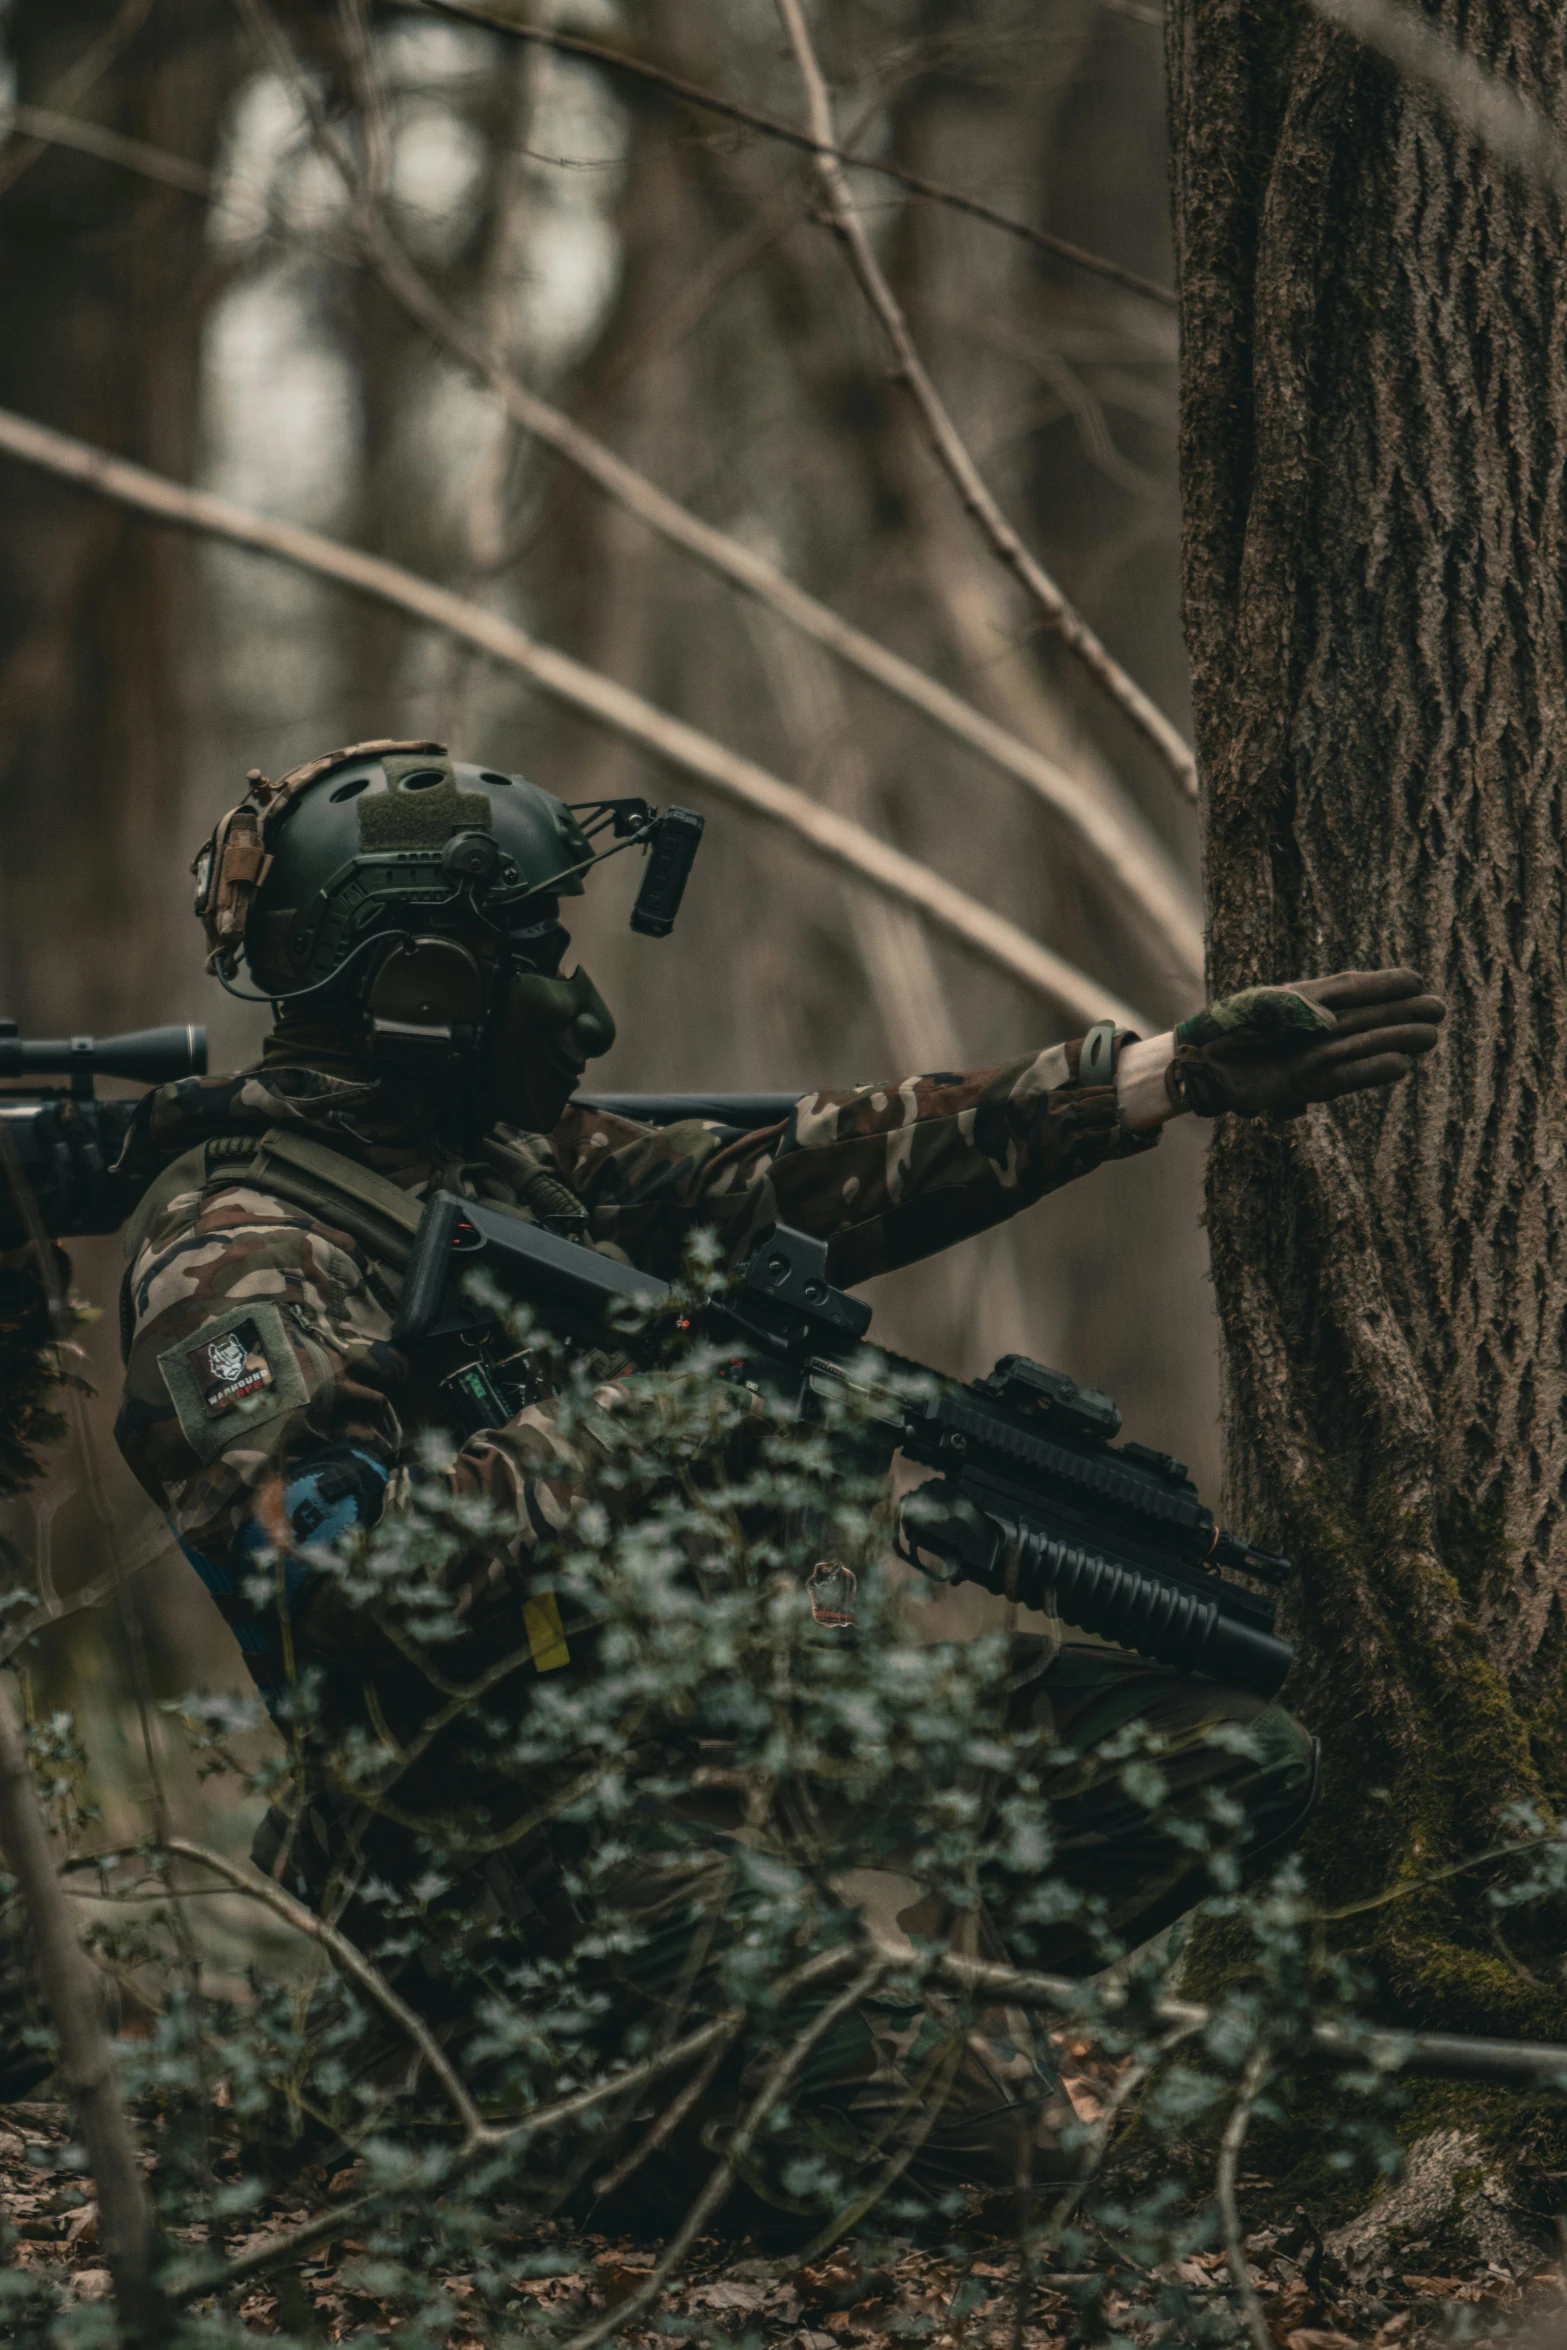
<point x="328" y="1184"/>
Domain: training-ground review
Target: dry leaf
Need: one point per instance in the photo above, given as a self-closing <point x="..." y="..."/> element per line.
<point x="82" y="2226"/>
<point x="619" y="2278"/>
<point x="727" y="2296"/>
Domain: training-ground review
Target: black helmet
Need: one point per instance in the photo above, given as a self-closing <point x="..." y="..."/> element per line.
<point x="403" y="842"/>
<point x="410" y="897"/>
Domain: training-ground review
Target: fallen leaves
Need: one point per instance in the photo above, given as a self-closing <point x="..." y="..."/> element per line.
<point x="550" y="2279"/>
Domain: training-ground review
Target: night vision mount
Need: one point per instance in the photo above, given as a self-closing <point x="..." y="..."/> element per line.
<point x="671" y="839"/>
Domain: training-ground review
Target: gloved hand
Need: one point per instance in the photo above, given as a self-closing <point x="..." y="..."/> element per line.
<point x="76" y="1144"/>
<point x="1270" y="1051"/>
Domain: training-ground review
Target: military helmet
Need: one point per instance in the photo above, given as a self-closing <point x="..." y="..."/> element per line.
<point x="420" y="893"/>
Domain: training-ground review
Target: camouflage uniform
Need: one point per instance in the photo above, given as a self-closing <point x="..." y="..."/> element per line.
<point x="265" y="1405"/>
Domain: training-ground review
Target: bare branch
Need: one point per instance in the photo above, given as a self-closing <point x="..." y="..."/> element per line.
<point x="836" y="839"/>
<point x="1115" y="2105"/>
<point x="1117" y="840"/>
<point x="1122" y="848"/>
<point x="1480" y="102"/>
<point x="1230" y="2145"/>
<point x="92" y="138"/>
<point x="945" y="439"/>
<point x="1114" y="835"/>
<point x="87" y="2061"/>
<point x="1441" y="2055"/>
<point x="21" y="154"/>
<point x="654" y="76"/>
<point x="664" y="2128"/>
<point x="716" y="2192"/>
<point x="354" y="1963"/>
<point x="698" y="2044"/>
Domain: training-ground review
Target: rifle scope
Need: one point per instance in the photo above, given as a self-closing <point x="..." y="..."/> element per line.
<point x="151" y="1056"/>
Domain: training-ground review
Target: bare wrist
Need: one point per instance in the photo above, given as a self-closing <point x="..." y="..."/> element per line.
<point x="1141" y="1095"/>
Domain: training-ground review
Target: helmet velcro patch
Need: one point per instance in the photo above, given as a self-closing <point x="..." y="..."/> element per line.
<point x="421" y="819"/>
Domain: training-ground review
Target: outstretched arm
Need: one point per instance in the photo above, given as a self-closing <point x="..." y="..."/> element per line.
<point x="888" y="1173"/>
<point x="892" y="1173"/>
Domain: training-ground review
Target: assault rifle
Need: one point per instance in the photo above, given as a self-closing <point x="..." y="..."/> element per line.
<point x="68" y="1169"/>
<point x="1032" y="1498"/>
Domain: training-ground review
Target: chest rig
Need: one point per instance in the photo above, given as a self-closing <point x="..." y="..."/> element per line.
<point x="489" y="1383"/>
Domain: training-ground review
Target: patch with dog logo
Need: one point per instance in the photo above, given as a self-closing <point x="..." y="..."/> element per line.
<point x="231" y="1366"/>
<point x="235" y="1374"/>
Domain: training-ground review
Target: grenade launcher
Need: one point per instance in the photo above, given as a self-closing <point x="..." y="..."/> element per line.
<point x="1031" y="1497"/>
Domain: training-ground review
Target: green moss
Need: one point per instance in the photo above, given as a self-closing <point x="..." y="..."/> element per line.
<point x="1426" y="1747"/>
<point x="1473" y="1544"/>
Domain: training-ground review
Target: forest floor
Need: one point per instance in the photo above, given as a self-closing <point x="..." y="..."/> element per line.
<point x="962" y="2295"/>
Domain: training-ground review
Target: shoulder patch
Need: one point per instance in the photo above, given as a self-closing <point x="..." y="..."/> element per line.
<point x="232" y="1376"/>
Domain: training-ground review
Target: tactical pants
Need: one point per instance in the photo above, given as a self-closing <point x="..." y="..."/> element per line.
<point x="954" y="2096"/>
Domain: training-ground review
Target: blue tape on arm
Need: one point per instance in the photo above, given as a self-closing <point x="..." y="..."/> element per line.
<point x="330" y="1496"/>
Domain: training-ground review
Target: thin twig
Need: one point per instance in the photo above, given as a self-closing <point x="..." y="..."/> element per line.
<point x="354" y="24"/>
<point x="656" y="77"/>
<point x="1422" y="1884"/>
<point x="279" y="2250"/>
<point x="1230" y="2145"/>
<point x="69" y="1984"/>
<point x="836" y="839"/>
<point x="668" y="2121"/>
<point x="93" y="138"/>
<point x="949" y="447"/>
<point x="1441" y="2055"/>
<point x="721" y="2180"/>
<point x="1095" y="2150"/>
<point x="21" y="154"/>
<point x="354" y="1963"/>
<point x="930" y="2096"/>
<point x="1115" y="838"/>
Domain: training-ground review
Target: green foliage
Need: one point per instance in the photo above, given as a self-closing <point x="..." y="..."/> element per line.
<point x="568" y="1868"/>
<point x="30" y="1372"/>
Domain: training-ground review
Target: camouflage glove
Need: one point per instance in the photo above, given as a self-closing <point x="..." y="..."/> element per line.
<point x="1270" y="1051"/>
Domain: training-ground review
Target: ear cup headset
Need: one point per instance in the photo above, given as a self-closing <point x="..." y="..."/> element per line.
<point x="416" y="899"/>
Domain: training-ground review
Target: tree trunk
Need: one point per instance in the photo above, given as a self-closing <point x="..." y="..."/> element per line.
<point x="1374" y="430"/>
<point x="101" y="273"/>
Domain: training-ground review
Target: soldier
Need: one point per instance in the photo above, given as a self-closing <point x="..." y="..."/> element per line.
<point x="402" y="912"/>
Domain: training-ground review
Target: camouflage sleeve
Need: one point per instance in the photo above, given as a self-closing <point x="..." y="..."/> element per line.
<point x="260" y="1405"/>
<point x="888" y="1173"/>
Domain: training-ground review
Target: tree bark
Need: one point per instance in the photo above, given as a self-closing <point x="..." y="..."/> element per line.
<point x="101" y="642"/>
<point x="1373" y="438"/>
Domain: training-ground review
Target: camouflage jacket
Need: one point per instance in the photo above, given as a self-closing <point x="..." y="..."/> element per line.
<point x="265" y="1407"/>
